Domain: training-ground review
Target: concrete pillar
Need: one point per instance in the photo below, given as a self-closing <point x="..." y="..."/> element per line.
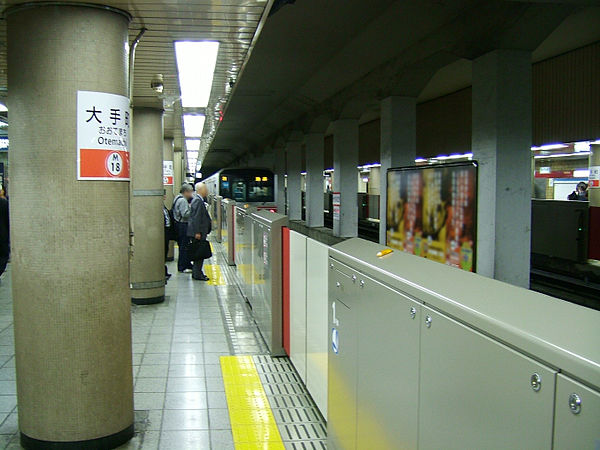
<point x="594" y="202"/>
<point x="294" y="167"/>
<point x="398" y="146"/>
<point x="70" y="242"/>
<point x="168" y="161"/>
<point x="345" y="161"/>
<point x="502" y="146"/>
<point x="314" y="179"/>
<point x="147" y="272"/>
<point x="279" y="155"/>
<point x="178" y="171"/>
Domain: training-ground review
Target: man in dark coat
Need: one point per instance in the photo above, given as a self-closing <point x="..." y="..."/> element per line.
<point x="199" y="225"/>
<point x="4" y="235"/>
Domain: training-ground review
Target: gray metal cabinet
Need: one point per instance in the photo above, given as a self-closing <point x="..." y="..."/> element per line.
<point x="477" y="393"/>
<point x="388" y="371"/>
<point x="343" y="358"/>
<point x="577" y="416"/>
<point x="264" y="286"/>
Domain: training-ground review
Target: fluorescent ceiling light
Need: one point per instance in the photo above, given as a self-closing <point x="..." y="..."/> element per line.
<point x="550" y="147"/>
<point x="192" y="144"/>
<point x="453" y="156"/>
<point x="369" y="166"/>
<point x="420" y="160"/>
<point x="196" y="62"/>
<point x="582" y="146"/>
<point x="3" y="107"/>
<point x="561" y="155"/>
<point x="193" y="124"/>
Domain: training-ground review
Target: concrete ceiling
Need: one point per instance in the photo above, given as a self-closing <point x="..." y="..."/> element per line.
<point x="315" y="58"/>
<point x="235" y="24"/>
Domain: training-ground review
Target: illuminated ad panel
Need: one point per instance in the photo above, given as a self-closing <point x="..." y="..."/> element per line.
<point x="432" y="212"/>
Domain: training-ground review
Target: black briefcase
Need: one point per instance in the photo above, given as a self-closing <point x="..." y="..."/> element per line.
<point x="200" y="249"/>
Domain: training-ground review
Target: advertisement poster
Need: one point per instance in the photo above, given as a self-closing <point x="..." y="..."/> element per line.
<point x="432" y="212"/>
<point x="102" y="136"/>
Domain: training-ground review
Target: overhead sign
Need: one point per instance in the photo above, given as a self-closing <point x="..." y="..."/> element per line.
<point x="103" y="122"/>
<point x="168" y="173"/>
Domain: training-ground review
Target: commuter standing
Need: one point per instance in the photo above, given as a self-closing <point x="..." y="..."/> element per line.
<point x="167" y="236"/>
<point x="181" y="214"/>
<point x="199" y="226"/>
<point x="580" y="193"/>
<point x="4" y="234"/>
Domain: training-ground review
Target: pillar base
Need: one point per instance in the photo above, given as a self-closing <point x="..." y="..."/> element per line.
<point x="148" y="301"/>
<point x="106" y="442"/>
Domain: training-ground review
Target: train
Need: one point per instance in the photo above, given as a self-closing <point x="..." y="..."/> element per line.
<point x="254" y="186"/>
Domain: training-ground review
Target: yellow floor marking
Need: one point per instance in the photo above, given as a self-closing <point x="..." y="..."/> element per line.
<point x="250" y="275"/>
<point x="213" y="271"/>
<point x="252" y="421"/>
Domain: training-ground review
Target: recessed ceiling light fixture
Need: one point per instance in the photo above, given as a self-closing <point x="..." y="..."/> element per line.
<point x="549" y="147"/>
<point x="193" y="124"/>
<point x="192" y="144"/>
<point x="196" y="62"/>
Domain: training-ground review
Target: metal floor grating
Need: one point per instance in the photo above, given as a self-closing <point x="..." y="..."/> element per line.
<point x="300" y="423"/>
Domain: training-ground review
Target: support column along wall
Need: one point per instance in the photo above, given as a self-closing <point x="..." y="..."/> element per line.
<point x="315" y="151"/>
<point x="345" y="162"/>
<point x="148" y="261"/>
<point x="594" y="198"/>
<point x="280" y="167"/>
<point x="177" y="170"/>
<point x="398" y="146"/>
<point x="294" y="167"/>
<point x="502" y="146"/>
<point x="70" y="240"/>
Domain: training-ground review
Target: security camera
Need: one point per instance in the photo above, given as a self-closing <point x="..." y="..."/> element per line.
<point x="157" y="83"/>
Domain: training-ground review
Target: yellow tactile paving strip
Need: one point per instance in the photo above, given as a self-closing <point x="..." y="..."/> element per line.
<point x="213" y="271"/>
<point x="252" y="421"/>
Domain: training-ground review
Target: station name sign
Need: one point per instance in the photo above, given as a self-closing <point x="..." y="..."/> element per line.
<point x="103" y="133"/>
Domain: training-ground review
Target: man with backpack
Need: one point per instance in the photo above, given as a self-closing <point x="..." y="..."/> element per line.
<point x="181" y="215"/>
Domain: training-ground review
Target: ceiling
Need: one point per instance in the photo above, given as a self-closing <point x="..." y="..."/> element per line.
<point x="234" y="23"/>
<point x="314" y="58"/>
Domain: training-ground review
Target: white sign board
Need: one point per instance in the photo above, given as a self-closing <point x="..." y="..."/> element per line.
<point x="594" y="176"/>
<point x="336" y="205"/>
<point x="168" y="173"/>
<point x="103" y="121"/>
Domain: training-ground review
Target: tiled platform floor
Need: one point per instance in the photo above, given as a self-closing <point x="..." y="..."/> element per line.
<point x="179" y="394"/>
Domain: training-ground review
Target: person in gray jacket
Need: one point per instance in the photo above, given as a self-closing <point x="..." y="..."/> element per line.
<point x="199" y="225"/>
<point x="181" y="214"/>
